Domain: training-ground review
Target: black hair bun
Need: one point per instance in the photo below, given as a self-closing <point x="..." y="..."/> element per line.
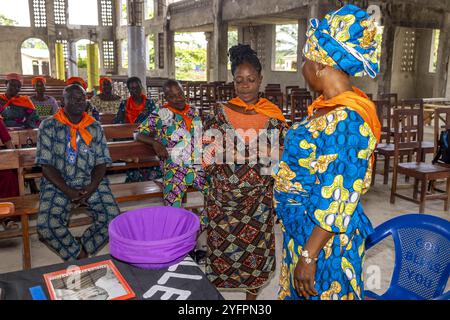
<point x="240" y="52"/>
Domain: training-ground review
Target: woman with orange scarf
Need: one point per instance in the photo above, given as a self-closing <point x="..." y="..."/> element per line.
<point x="17" y="111"/>
<point x="137" y="107"/>
<point x="45" y="105"/>
<point x="241" y="239"/>
<point x="327" y="163"/>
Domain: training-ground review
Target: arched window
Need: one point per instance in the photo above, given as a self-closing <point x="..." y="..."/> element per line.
<point x="35" y="57"/>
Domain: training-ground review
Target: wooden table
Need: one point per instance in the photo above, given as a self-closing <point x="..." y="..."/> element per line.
<point x="430" y="108"/>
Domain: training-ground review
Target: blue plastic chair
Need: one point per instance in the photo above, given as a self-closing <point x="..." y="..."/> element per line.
<point x="422" y="257"/>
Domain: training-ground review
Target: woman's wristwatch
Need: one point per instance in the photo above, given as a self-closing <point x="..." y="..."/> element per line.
<point x="308" y="259"/>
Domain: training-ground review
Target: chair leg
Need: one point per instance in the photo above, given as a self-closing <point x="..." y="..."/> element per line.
<point x="374" y="169"/>
<point x="447" y="201"/>
<point x="26" y="255"/>
<point x="386" y="169"/>
<point x="416" y="188"/>
<point x="409" y="159"/>
<point x="423" y="193"/>
<point x="394" y="186"/>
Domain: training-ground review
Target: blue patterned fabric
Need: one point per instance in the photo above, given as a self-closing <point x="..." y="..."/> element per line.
<point x="346" y="40"/>
<point x="53" y="148"/>
<point x="323" y="172"/>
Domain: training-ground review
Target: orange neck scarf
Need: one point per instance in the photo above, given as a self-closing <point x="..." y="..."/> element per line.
<point x="132" y="110"/>
<point x="183" y="113"/>
<point x="81" y="127"/>
<point x="356" y="100"/>
<point x="263" y="106"/>
<point x="19" y="101"/>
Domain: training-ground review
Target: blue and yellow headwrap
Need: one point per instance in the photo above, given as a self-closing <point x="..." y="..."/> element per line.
<point x="345" y="40"/>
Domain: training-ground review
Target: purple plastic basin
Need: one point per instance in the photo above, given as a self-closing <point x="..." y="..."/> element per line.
<point x="153" y="238"/>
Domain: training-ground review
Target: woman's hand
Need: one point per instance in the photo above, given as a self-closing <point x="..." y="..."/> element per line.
<point x="160" y="150"/>
<point x="304" y="276"/>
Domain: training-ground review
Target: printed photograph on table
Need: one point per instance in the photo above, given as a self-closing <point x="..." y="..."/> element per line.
<point x="99" y="281"/>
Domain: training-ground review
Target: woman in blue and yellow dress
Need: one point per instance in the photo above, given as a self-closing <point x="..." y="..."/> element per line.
<point x="327" y="163"/>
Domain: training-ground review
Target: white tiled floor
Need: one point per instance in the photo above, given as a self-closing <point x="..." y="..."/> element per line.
<point x="376" y="205"/>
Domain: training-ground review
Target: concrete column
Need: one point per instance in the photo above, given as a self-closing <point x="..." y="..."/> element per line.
<point x="72" y="59"/>
<point x="219" y="65"/>
<point x="170" y="53"/>
<point x="387" y="57"/>
<point x="51" y="35"/>
<point x="52" y="52"/>
<point x="137" y="53"/>
<point x="100" y="57"/>
<point x="314" y="9"/>
<point x="240" y="34"/>
<point x="440" y="82"/>
<point x="136" y="41"/>
<point x="209" y="55"/>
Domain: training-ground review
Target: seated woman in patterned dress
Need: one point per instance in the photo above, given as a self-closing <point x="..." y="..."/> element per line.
<point x="17" y="111"/>
<point x="163" y="130"/>
<point x="241" y="239"/>
<point x="327" y="163"/>
<point x="45" y="105"/>
<point x="106" y="102"/>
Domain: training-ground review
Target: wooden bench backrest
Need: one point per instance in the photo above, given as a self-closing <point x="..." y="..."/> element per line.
<point x="27" y="138"/>
<point x="25" y="158"/>
<point x="9" y="159"/>
<point x="119" y="131"/>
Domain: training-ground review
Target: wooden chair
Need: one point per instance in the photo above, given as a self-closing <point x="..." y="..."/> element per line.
<point x="107" y="118"/>
<point x="273" y="86"/>
<point x="384" y="148"/>
<point x="405" y="123"/>
<point x="428" y="147"/>
<point x="208" y="98"/>
<point x="289" y="90"/>
<point x="299" y="106"/>
<point x="225" y="93"/>
<point x="277" y="97"/>
<point x="392" y="97"/>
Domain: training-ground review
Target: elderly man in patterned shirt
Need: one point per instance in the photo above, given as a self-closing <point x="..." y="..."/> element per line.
<point x="73" y="153"/>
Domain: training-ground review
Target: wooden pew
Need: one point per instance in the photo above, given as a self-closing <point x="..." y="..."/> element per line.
<point x="27" y="138"/>
<point x="143" y="156"/>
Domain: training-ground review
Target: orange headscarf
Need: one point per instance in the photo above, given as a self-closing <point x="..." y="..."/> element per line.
<point x="103" y="79"/>
<point x="36" y="79"/>
<point x="14" y="76"/>
<point x="19" y="101"/>
<point x="132" y="110"/>
<point x="356" y="100"/>
<point x="183" y="113"/>
<point x="263" y="106"/>
<point x="77" y="80"/>
<point x="85" y="122"/>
